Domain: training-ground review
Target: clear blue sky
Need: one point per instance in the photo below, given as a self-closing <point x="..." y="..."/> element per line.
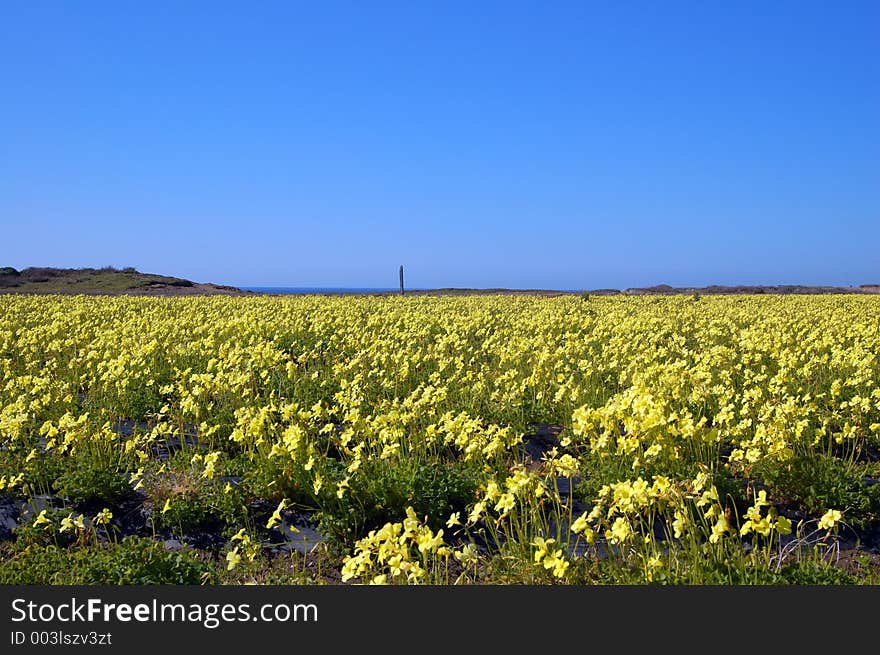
<point x="541" y="144"/>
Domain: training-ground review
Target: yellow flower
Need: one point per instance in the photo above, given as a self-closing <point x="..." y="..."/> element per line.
<point x="42" y="519"/>
<point x="506" y="502"/>
<point x="428" y="542"/>
<point x="210" y="465"/>
<point x="416" y="572"/>
<point x="707" y="496"/>
<point x="580" y="524"/>
<point x="830" y="519"/>
<point x="454" y="519"/>
<point x="556" y="563"/>
<point x="721" y="526"/>
<point x="680" y="524"/>
<point x="167" y="505"/>
<point x="763" y="527"/>
<point x="783" y="525"/>
<point x="541" y="548"/>
<point x="620" y="531"/>
<point x="652" y="565"/>
<point x="395" y="564"/>
<point x="233" y="559"/>
<point x="761" y="500"/>
<point x="477" y="512"/>
<point x="661" y="485"/>
<point x="467" y="554"/>
<point x="275" y="519"/>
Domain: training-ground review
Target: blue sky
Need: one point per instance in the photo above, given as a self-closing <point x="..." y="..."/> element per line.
<point x="541" y="144"/>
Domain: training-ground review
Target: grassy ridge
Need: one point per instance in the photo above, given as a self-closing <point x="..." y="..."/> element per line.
<point x="99" y="281"/>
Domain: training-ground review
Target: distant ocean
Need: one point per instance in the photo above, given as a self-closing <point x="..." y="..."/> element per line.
<point x="299" y="291"/>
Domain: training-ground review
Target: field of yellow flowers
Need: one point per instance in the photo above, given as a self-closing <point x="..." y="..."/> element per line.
<point x="440" y="440"/>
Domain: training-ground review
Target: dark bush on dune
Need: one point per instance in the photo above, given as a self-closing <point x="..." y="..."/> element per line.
<point x="9" y="277"/>
<point x="42" y="272"/>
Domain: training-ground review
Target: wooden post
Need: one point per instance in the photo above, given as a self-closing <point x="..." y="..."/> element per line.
<point x="401" y="279"/>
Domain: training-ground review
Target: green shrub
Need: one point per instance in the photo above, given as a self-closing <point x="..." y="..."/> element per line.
<point x="816" y="573"/>
<point x="39" y="473"/>
<point x="183" y="501"/>
<point x="28" y="534"/>
<point x="274" y="478"/>
<point x="133" y="561"/>
<point x="816" y="483"/>
<point x="382" y="490"/>
<point x="88" y="482"/>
